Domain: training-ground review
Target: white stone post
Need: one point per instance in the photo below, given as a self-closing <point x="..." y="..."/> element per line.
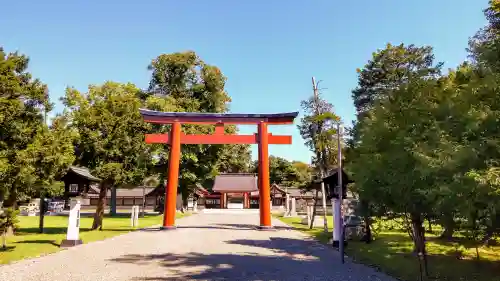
<point x="195" y="206"/>
<point x="137" y="211"/>
<point x="293" y="212"/>
<point x="73" y="233"/>
<point x="134" y="216"/>
<point x="287" y="205"/>
<point x="337" y="219"/>
<point x="309" y="213"/>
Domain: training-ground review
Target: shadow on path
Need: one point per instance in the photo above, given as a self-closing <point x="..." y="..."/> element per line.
<point x="197" y="266"/>
<point x="288" y="246"/>
<point x="39" y="241"/>
<point x="293" y="259"/>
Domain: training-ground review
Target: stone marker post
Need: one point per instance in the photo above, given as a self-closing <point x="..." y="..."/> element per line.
<point x="73" y="233"/>
<point x="137" y="216"/>
<point x="287" y="205"/>
<point x="134" y="216"/>
<point x="293" y="212"/>
<point x="309" y="213"/>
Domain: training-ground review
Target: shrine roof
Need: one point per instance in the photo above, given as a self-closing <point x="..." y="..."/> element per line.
<point x="238" y="182"/>
<point x="152" y="116"/>
<point x="333" y="177"/>
<point x="84" y="173"/>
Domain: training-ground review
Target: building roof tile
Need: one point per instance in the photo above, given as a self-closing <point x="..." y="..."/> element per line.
<point x="84" y="172"/>
<point x="238" y="182"/>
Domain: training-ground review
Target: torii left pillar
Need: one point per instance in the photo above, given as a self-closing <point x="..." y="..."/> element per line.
<point x="173" y="177"/>
<point x="175" y="138"/>
<point x="264" y="188"/>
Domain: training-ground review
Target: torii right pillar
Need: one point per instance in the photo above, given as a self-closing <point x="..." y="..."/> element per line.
<point x="263" y="177"/>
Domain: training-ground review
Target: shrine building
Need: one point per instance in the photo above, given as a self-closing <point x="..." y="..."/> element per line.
<point x="240" y="191"/>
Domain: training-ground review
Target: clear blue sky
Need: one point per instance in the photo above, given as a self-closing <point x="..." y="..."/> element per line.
<point x="268" y="49"/>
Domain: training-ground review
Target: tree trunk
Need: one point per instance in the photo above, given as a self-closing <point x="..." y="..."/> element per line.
<point x="101" y="204"/>
<point x="419" y="242"/>
<point x="323" y="199"/>
<point x="491" y="230"/>
<point x="112" y="209"/>
<point x="364" y="208"/>
<point x="42" y="214"/>
<point x="368" y="230"/>
<point x="429" y="224"/>
<point x="4" y="239"/>
<point x="449" y="227"/>
<point x="313" y="215"/>
<point x="184" y="195"/>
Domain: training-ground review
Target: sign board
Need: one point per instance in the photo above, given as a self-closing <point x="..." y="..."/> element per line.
<point x="73" y="233"/>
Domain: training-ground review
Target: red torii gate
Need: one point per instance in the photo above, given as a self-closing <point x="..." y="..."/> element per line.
<point x="176" y="137"/>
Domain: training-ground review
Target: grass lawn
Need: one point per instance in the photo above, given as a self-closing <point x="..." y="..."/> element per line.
<point x="29" y="243"/>
<point x="391" y="252"/>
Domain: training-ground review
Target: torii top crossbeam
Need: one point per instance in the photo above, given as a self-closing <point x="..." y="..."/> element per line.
<point x="158" y="117"/>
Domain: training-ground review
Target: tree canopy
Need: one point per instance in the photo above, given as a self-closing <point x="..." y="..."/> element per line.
<point x="32" y="155"/>
<point x="184" y="82"/>
<point x="425" y="145"/>
<point x="286" y="173"/>
<point x="110" y="137"/>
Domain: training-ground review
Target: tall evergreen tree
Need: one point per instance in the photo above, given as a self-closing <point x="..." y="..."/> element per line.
<point x="184" y="82"/>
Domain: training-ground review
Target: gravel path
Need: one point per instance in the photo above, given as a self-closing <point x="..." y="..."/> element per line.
<point x="204" y="247"/>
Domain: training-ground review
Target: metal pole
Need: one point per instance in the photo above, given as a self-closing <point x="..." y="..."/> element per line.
<point x="339" y="173"/>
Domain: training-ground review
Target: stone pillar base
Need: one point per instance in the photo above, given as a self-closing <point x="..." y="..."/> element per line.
<point x="70" y="243"/>
<point x="335" y="244"/>
<point x="266" y="228"/>
<point x="165" y="228"/>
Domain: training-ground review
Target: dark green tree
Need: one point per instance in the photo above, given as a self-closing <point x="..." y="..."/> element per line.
<point x="183" y="82"/>
<point x="379" y="79"/>
<point x="32" y="156"/>
<point x="388" y="69"/>
<point x="110" y="137"/>
<point x="318" y="128"/>
<point x="484" y="47"/>
<point x="286" y="173"/>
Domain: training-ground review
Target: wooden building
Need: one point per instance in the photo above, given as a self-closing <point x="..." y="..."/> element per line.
<point x="126" y="197"/>
<point x="77" y="181"/>
<point x="239" y="191"/>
